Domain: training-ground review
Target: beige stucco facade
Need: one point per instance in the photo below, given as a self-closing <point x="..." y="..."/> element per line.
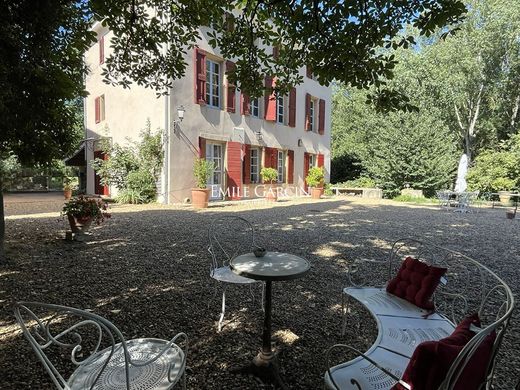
<point x="127" y="110"/>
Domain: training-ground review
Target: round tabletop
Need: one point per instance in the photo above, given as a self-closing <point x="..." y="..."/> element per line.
<point x="273" y="266"/>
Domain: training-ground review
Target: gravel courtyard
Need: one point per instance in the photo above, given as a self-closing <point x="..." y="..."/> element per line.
<point x="146" y="270"/>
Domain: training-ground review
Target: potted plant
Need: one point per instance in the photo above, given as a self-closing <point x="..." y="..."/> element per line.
<point x="68" y="187"/>
<point x="81" y="211"/>
<point x="67" y="190"/>
<point x="202" y="170"/>
<point x="270" y="175"/>
<point x="315" y="179"/>
<point x="504" y="186"/>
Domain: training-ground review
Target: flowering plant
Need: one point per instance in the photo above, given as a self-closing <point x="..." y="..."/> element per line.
<point x="82" y="207"/>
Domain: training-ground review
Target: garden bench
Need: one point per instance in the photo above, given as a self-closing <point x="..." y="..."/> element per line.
<point x="467" y="287"/>
<point x="367" y="193"/>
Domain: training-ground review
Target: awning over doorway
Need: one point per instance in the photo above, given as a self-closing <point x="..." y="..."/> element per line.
<point x="77" y="159"/>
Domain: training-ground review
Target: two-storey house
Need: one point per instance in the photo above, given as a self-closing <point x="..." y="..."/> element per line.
<point x="240" y="135"/>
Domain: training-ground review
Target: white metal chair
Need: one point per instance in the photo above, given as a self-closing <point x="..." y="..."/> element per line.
<point x="229" y="236"/>
<point x="465" y="200"/>
<point x="102" y="357"/>
<point x="444" y="198"/>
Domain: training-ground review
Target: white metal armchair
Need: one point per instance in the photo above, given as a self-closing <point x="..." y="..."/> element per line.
<point x="229" y="236"/>
<point x="102" y="357"/>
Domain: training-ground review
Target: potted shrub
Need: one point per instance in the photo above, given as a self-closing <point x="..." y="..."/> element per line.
<point x="202" y="170"/>
<point x="503" y="185"/>
<point x="314" y="180"/>
<point x="270" y="175"/>
<point x="82" y="211"/>
<point x="67" y="189"/>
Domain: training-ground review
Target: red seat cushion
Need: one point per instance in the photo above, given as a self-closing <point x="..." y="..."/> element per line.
<point x="432" y="360"/>
<point x="416" y="282"/>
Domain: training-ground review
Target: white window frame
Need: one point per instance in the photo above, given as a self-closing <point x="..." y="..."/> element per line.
<point x="210" y="83"/>
<point x="313" y="114"/>
<point x="281" y="166"/>
<point x="255" y="105"/>
<point x="254" y="169"/>
<point x="280" y="109"/>
<point x="312" y="160"/>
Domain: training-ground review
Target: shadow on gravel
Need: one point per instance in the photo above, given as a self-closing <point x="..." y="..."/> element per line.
<point x="147" y="272"/>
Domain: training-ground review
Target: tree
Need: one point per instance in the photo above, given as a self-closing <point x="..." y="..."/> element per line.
<point x="474" y="74"/>
<point x="339" y="40"/>
<point x="411" y="148"/>
<point x="133" y="168"/>
<point x="41" y="73"/>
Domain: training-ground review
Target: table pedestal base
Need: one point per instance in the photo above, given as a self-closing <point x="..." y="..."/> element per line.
<point x="265" y="367"/>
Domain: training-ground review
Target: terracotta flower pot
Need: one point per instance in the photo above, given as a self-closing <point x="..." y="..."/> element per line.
<point x="200" y="197"/>
<point x="270" y="194"/>
<point x="67" y="194"/>
<point x="79" y="224"/>
<point x="504" y="196"/>
<point x="316" y="192"/>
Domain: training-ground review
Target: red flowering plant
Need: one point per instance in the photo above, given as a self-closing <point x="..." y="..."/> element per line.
<point x="82" y="207"/>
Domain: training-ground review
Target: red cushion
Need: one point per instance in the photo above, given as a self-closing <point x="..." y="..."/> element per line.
<point x="431" y="360"/>
<point x="416" y="282"/>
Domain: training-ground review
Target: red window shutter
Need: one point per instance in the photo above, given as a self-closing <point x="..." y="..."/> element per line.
<point x="321" y="124"/>
<point x="308" y="71"/>
<point x="274" y="158"/>
<point x="245" y="104"/>
<point x="202" y="147"/>
<point x="270" y="100"/>
<point x="321" y="160"/>
<point x="276" y="52"/>
<point x="231" y="99"/>
<point x="290" y="167"/>
<point x="97" y="109"/>
<point x="101" y="49"/>
<point x="267" y="157"/>
<point x="200" y="76"/>
<point x="292" y="107"/>
<point x="234" y="169"/>
<point x="307" y="112"/>
<point x="247" y="164"/>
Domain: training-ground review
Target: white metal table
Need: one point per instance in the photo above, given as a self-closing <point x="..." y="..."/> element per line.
<point x="274" y="266"/>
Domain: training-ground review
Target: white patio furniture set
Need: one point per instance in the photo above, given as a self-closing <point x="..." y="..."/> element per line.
<point x="104" y="360"/>
<point x="461" y="202"/>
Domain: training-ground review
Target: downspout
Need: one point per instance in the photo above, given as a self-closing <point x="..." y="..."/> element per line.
<point x="167" y="136"/>
<point x="85" y="143"/>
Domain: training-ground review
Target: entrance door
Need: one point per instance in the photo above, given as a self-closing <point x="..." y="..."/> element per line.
<point x="214" y="153"/>
<point x="100" y="189"/>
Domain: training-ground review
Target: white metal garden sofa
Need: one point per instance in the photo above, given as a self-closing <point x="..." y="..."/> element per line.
<point x="467" y="287"/>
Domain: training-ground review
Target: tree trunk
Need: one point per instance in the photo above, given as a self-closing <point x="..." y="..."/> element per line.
<point x="2" y="223"/>
<point x="514" y="113"/>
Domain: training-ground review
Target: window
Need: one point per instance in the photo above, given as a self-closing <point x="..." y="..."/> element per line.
<point x="99" y="104"/>
<point x="281" y="166"/>
<point x="280" y="109"/>
<point x="254" y="163"/>
<point x="311" y="116"/>
<point x="255" y="108"/>
<point x="212" y="84"/>
<point x="312" y="160"/>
